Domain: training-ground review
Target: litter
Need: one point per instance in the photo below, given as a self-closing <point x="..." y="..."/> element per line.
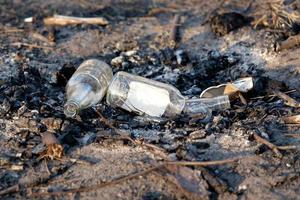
<point x="152" y="98"/>
<point x="87" y="86"/>
<point x="240" y="85"/>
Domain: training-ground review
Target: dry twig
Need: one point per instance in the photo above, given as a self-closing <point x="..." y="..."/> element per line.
<point x="268" y="144"/>
<point x="11" y="30"/>
<point x="295" y="119"/>
<point x="272" y="95"/>
<point x="287" y="100"/>
<point x="42" y="38"/>
<point x="34" y="46"/>
<point x="61" y="20"/>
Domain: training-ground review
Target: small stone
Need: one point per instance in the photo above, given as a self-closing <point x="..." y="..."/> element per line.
<point x="199" y="134"/>
<point x="52" y="124"/>
<point x="117" y="61"/>
<point x="130" y="53"/>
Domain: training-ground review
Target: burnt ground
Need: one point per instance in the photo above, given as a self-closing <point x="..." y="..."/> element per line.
<point x="139" y="33"/>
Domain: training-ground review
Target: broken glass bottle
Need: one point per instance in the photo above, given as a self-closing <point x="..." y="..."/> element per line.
<point x="87" y="86"/>
<point x="152" y="98"/>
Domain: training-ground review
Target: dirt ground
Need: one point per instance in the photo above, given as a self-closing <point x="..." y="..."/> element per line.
<point x="138" y="39"/>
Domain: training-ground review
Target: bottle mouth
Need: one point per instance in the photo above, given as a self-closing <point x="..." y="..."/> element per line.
<point x="71" y="109"/>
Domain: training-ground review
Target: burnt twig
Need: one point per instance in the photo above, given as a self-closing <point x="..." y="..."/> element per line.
<point x="268" y="144"/>
<point x="175" y="32"/>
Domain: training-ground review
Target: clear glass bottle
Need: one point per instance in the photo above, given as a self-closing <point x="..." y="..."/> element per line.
<point x="148" y="97"/>
<point x="87" y="86"/>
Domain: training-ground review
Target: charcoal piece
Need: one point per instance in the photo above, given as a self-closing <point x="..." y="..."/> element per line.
<point x="222" y="24"/>
<point x="4" y="106"/>
<point x="64" y="74"/>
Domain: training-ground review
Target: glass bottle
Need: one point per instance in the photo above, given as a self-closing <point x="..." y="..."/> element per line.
<point x="87" y="86"/>
<point x="148" y="97"/>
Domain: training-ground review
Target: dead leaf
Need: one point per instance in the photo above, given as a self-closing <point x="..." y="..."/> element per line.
<point x="287" y="99"/>
<point x="54" y="150"/>
<point x="292" y="119"/>
<point x="188" y="181"/>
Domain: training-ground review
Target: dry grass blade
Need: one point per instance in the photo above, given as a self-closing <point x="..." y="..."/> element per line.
<point x="33" y="46"/>
<point x="288" y="147"/>
<point x="42" y="38"/>
<point x="10" y="30"/>
<point x="274" y="14"/>
<point x="272" y="95"/>
<point x="61" y="20"/>
<point x="287" y="99"/>
<point x="293" y="135"/>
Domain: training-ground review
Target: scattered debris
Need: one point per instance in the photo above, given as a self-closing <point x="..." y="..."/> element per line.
<point x="61" y="20"/>
<point x="132" y="176"/>
<point x="32" y="97"/>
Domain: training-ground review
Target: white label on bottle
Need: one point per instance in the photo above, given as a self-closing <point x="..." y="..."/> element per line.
<point x="148" y="99"/>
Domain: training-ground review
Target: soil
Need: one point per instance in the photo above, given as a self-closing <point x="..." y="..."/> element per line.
<point x="215" y="49"/>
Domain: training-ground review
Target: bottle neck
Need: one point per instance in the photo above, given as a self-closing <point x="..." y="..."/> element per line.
<point x="71" y="108"/>
<point x="200" y="105"/>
